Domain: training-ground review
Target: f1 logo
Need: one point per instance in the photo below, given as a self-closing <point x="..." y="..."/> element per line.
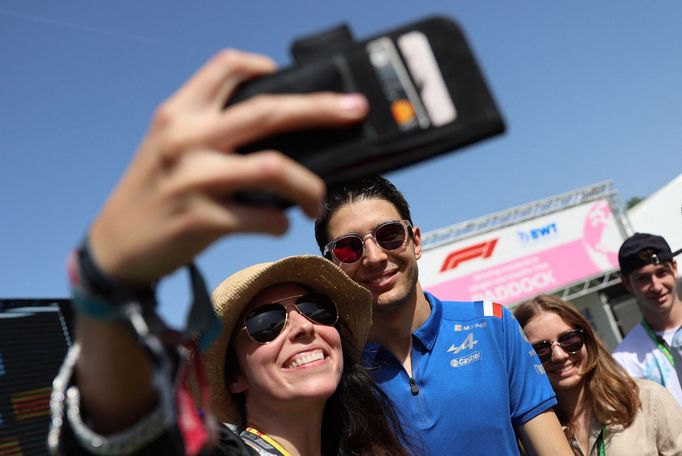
<point x="482" y="250"/>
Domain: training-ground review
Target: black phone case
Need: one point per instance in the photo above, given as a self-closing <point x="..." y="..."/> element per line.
<point x="333" y="61"/>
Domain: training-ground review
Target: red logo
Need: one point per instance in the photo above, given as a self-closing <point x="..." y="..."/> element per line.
<point x="482" y="250"/>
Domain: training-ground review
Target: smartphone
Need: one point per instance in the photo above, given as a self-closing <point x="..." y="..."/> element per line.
<point x="426" y="92"/>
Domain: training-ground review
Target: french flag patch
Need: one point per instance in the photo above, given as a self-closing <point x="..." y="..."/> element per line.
<point x="492" y="309"/>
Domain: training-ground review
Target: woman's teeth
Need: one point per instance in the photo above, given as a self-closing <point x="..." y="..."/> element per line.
<point x="305" y="359"/>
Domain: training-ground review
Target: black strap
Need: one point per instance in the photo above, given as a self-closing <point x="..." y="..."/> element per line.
<point x="101" y="285"/>
<point x="202" y="321"/>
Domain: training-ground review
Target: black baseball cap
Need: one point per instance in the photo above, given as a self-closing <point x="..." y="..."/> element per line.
<point x="641" y="249"/>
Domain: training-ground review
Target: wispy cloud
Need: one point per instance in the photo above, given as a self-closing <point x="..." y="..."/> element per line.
<point x="70" y="25"/>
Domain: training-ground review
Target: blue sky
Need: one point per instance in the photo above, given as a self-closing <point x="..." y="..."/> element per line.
<point x="590" y="91"/>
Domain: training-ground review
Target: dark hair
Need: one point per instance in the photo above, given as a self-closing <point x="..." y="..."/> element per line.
<point x="612" y="394"/>
<point x="358" y="419"/>
<point x="375" y="187"/>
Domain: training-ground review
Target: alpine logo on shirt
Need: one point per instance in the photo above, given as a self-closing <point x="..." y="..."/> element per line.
<point x="466" y="347"/>
<point x="468" y="343"/>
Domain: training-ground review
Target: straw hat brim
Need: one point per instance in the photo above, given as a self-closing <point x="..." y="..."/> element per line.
<point x="232" y="296"/>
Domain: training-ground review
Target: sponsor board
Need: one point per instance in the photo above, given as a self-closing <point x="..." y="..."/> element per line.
<point x="519" y="261"/>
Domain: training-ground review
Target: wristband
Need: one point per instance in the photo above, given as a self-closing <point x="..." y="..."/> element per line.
<point x="97" y="295"/>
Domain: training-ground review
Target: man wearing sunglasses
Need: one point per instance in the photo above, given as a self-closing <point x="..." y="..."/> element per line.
<point x="462" y="375"/>
<point x="649" y="271"/>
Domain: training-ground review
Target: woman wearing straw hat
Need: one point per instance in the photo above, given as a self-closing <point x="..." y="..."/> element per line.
<point x="284" y="370"/>
<point x="286" y="362"/>
<point x="283" y="363"/>
<point x="604" y="410"/>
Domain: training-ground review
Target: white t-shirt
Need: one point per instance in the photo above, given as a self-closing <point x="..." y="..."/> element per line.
<point x="641" y="358"/>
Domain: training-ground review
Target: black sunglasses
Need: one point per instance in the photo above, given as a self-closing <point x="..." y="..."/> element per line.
<point x="571" y="342"/>
<point x="266" y="322"/>
<point x="350" y="247"/>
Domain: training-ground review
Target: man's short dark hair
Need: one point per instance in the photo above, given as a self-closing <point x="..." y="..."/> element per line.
<point x="375" y="187"/>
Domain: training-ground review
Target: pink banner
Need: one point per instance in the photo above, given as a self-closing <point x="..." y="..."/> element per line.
<point x="525" y="277"/>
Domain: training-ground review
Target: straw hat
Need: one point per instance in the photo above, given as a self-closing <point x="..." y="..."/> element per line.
<point x="234" y="294"/>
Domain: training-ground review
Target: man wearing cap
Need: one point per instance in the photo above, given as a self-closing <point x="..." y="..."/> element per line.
<point x="649" y="271"/>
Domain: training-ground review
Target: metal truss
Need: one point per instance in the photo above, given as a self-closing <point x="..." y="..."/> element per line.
<point x="590" y="285"/>
<point x="530" y="211"/>
<point x="584" y="287"/>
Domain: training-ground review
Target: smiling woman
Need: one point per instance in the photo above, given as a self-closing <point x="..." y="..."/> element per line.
<point x="285" y="366"/>
<point x="284" y="374"/>
<point x="604" y="410"/>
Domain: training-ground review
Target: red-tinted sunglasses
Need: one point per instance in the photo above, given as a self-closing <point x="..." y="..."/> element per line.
<point x="350" y="247"/>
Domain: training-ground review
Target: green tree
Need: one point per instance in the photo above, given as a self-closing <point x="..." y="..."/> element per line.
<point x="632" y="202"/>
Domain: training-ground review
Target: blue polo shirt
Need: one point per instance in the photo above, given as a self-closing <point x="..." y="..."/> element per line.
<point x="475" y="377"/>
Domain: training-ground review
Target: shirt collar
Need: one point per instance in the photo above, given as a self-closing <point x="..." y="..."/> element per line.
<point x="427" y="332"/>
<point x="424" y="336"/>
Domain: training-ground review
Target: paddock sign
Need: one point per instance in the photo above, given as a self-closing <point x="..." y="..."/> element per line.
<point x="517" y="262"/>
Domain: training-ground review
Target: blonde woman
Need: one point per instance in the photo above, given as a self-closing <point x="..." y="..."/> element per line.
<point x="604" y="411"/>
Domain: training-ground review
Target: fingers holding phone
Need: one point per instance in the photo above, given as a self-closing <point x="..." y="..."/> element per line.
<point x="280" y="113"/>
<point x="217" y="79"/>
<point x="176" y="197"/>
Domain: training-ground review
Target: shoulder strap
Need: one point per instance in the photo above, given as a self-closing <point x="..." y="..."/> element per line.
<point x="231" y="444"/>
<point x="658" y="341"/>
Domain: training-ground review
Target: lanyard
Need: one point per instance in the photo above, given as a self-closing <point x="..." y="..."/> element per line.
<point x="600" y="442"/>
<point x="660" y="343"/>
<point x="264" y="441"/>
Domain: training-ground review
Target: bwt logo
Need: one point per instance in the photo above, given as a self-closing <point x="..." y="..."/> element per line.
<point x="538" y="233"/>
<point x="482" y="250"/>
